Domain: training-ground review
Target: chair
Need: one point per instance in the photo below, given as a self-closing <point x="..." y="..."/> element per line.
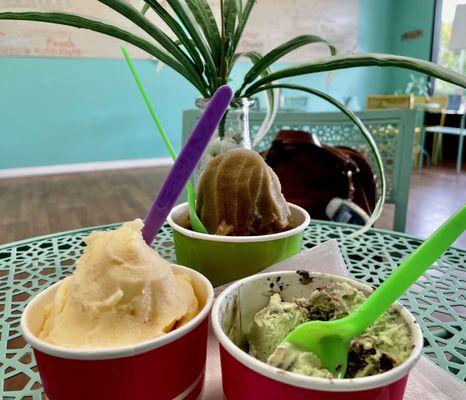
<point x="460" y="132"/>
<point x="393" y="131"/>
<point x="437" y="104"/>
<point x="376" y="102"/>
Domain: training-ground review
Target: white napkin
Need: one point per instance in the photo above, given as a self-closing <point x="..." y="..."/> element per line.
<point x="326" y="257"/>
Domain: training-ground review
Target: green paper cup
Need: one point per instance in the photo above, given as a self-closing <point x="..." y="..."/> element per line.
<point x="223" y="259"/>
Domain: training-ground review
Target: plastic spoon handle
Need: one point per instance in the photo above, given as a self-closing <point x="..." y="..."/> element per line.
<point x="186" y="162"/>
<point x="408" y="272"/>
<point x="196" y="223"/>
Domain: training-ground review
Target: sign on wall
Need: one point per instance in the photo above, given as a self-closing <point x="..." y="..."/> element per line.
<point x="38" y="39"/>
<point x="272" y="23"/>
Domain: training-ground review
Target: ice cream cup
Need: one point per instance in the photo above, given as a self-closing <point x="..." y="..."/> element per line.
<point x="232" y="314"/>
<point x="168" y="367"/>
<point x="224" y="259"/>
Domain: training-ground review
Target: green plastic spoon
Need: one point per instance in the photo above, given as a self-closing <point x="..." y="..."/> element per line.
<point x="329" y="340"/>
<point x="196" y="223"/>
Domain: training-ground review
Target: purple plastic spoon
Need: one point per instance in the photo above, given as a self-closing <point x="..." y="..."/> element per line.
<point x="186" y="162"/>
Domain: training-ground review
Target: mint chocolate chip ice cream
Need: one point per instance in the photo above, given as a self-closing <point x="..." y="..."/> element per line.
<point x="384" y="345"/>
<point x="272" y="324"/>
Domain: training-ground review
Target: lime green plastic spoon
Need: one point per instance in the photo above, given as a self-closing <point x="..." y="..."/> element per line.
<point x="329" y="340"/>
<point x="196" y="223"/>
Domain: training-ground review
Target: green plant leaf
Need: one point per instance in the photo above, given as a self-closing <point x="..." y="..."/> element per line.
<point x="144" y="9"/>
<point x="131" y="13"/>
<point x="239" y="8"/>
<point x="110" y="30"/>
<point x="229" y="14"/>
<point x="178" y="30"/>
<point x="364" y="131"/>
<point x="278" y="52"/>
<point x="241" y="24"/>
<point x="363" y="60"/>
<point x="271" y="96"/>
<point x="204" y="16"/>
<point x="272" y="102"/>
<point x="229" y="17"/>
<point x="187" y="19"/>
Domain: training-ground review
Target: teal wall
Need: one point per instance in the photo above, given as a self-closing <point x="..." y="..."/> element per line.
<point x="58" y="111"/>
<point x="412" y="15"/>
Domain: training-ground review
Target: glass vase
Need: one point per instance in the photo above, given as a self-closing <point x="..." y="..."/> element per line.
<point x="233" y="132"/>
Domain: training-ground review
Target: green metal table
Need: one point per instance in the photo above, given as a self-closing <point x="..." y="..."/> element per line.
<point x="438" y="299"/>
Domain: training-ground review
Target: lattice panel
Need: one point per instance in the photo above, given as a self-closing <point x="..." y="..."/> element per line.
<point x="337" y="134"/>
<point x="438" y="299"/>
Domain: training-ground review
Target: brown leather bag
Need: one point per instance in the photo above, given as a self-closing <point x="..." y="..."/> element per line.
<point x="312" y="174"/>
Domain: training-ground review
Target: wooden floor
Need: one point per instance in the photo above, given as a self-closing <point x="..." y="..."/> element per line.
<point x="41" y="205"/>
<point x="436" y="193"/>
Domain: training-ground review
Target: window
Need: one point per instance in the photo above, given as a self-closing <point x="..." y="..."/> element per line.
<point x="452" y="58"/>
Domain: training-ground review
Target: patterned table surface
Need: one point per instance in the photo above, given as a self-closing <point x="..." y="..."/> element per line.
<point x="438" y="299"/>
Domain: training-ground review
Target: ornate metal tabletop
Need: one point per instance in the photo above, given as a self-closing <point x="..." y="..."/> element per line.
<point x="438" y="299"/>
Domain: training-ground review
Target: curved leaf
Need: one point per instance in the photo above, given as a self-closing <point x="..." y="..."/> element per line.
<point x="131" y="13"/>
<point x="239" y="7"/>
<point x="177" y="29"/>
<point x="272" y="101"/>
<point x="253" y="56"/>
<point x="363" y="60"/>
<point x="229" y="17"/>
<point x="229" y="20"/>
<point x="367" y="136"/>
<point x="144" y="9"/>
<point x="187" y="19"/>
<point x="271" y="96"/>
<point x="245" y="14"/>
<point x="109" y="30"/>
<point x="204" y="16"/>
<point x="278" y="52"/>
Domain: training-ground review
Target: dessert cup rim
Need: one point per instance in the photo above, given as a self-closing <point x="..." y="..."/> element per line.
<point x="308" y="382"/>
<point x="238" y="239"/>
<point x="119" y="351"/>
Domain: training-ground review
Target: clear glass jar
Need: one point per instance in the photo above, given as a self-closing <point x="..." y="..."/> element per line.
<point x="233" y="131"/>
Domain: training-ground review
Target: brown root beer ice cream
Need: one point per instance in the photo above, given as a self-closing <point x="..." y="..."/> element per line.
<point x="239" y="194"/>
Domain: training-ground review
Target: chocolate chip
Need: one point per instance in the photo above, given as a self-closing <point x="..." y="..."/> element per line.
<point x="386" y="362"/>
<point x="305" y="279"/>
<point x="272" y="285"/>
<point x="356" y="363"/>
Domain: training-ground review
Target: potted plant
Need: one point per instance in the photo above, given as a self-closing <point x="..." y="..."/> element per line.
<point x="204" y="52"/>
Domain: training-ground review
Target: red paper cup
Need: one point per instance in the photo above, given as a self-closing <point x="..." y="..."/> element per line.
<point x="246" y="378"/>
<point x="171" y="366"/>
